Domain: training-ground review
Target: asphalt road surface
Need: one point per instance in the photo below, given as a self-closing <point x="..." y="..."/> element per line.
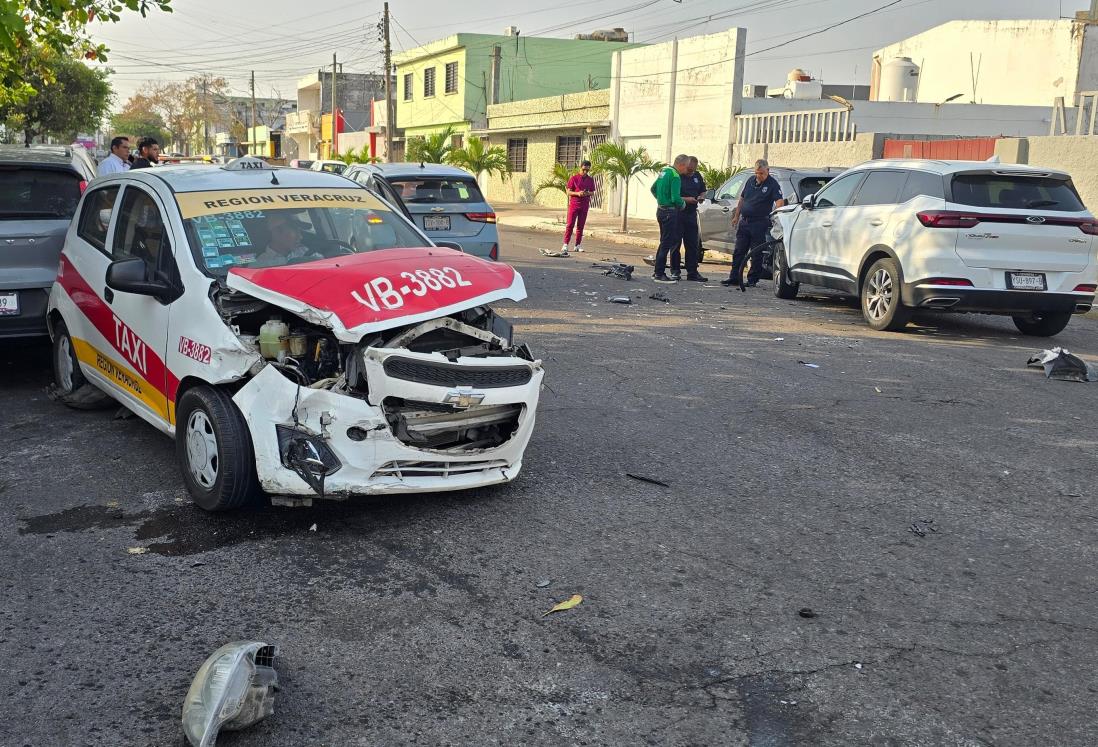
<point x="924" y="494"/>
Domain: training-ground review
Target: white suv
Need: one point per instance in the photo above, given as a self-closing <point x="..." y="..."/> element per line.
<point x="950" y="235"/>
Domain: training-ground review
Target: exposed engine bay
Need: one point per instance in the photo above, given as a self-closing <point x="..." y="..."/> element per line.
<point x="466" y="352"/>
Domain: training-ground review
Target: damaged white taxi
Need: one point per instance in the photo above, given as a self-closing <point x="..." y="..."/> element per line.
<point x="293" y="332"/>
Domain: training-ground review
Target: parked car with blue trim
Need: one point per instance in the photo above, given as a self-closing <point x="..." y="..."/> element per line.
<point x="443" y="201"/>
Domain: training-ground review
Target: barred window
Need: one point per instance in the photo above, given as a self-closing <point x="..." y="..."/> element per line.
<point x="429" y="82"/>
<point x="516" y="154"/>
<point x="408" y="87"/>
<point x="451" y="77"/>
<point x="569" y="151"/>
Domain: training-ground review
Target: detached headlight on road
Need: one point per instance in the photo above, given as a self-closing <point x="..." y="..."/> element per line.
<point x="233" y="689"/>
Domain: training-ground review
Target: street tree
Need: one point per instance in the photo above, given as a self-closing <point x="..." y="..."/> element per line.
<point x="477" y="159"/>
<point x="57" y="25"/>
<point x="139" y="118"/>
<point x="68" y="97"/>
<point x="715" y="176"/>
<point x="558" y="181"/>
<point x="431" y="149"/>
<point x="188" y="108"/>
<point x="620" y="164"/>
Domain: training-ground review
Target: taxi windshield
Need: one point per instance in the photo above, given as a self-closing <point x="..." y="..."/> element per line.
<point x="280" y="226"/>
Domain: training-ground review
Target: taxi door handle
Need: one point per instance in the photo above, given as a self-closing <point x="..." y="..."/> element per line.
<point x="876" y="222"/>
<point x="108" y="295"/>
<point x="826" y="224"/>
<point x="724" y="209"/>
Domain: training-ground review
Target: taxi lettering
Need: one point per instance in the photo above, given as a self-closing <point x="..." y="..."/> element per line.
<point x="131" y="346"/>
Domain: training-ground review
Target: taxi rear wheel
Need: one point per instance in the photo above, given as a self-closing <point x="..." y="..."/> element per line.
<point x="214" y="448"/>
<point x="69" y="385"/>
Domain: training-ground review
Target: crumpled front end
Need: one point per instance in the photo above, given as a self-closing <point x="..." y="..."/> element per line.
<point x="448" y="404"/>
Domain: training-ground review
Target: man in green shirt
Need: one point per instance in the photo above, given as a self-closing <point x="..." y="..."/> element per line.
<point x="667" y="189"/>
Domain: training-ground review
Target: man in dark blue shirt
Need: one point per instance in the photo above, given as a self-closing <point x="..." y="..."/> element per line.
<point x="759" y="198"/>
<point x="693" y="187"/>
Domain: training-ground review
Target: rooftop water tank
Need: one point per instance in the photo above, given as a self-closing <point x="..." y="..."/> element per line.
<point x="899" y="80"/>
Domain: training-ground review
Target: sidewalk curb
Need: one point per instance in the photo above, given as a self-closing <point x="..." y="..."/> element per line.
<point x="552" y="226"/>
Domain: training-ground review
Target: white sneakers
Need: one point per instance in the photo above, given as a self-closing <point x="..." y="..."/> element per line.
<point x="564" y="249"/>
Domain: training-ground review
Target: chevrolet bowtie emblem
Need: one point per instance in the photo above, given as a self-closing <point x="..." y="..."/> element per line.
<point x="463" y="397"/>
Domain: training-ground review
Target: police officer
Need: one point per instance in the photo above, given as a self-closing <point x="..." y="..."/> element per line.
<point x="759" y="198"/>
<point x="693" y="187"/>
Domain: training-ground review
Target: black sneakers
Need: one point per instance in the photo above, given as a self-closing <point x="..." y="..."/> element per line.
<point x="676" y="276"/>
<point x="696" y="277"/>
<point x="661" y="278"/>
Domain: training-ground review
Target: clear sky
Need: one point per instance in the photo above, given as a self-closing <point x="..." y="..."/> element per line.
<point x="284" y="40"/>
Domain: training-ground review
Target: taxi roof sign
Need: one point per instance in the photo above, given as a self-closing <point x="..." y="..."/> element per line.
<point x="247" y="163"/>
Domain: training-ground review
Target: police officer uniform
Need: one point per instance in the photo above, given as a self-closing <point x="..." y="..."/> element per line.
<point x="754" y="228"/>
<point x="692" y="186"/>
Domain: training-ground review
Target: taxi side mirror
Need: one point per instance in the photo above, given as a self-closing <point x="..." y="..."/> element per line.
<point x="710" y="194"/>
<point x="809" y="201"/>
<point x="129" y="276"/>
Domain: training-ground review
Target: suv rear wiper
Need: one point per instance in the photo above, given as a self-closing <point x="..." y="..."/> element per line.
<point x="1041" y="203"/>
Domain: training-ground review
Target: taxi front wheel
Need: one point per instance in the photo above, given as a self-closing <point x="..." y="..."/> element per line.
<point x="214" y="448"/>
<point x="69" y="385"/>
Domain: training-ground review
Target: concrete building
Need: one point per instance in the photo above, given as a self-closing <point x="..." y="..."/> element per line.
<point x="1007" y="62"/>
<point x="680" y="96"/>
<point x="539" y="133"/>
<point x="452" y="81"/>
<point x="356" y="92"/>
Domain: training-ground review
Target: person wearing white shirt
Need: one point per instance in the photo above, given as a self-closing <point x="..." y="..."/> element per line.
<point x="118" y="160"/>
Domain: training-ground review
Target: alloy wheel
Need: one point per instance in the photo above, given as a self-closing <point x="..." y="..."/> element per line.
<point x="879" y="297"/>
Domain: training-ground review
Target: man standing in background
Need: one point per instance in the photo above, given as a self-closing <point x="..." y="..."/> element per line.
<point x="148" y="153"/>
<point x="118" y="160"/>
<point x="667" y="189"/>
<point x="580" y="188"/>
<point x="759" y="198"/>
<point x="693" y="187"/>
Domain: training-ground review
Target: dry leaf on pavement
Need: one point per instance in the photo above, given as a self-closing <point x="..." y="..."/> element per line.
<point x="566" y="605"/>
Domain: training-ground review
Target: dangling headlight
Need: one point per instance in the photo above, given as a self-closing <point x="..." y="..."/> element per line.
<point x="776" y="229"/>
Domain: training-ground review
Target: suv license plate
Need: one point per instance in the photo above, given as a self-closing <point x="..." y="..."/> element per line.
<point x="436" y="222"/>
<point x="1034" y="281"/>
<point x="9" y="304"/>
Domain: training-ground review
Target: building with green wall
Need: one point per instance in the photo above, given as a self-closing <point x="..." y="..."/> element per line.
<point x="449" y="81"/>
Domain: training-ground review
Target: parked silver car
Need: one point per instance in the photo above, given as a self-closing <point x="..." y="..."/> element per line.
<point x="715" y="214"/>
<point x="39" y="190"/>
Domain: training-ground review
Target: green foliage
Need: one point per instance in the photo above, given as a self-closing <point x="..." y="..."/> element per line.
<point x="477" y="159"/>
<point x="362" y="156"/>
<point x="139" y="119"/>
<point x="434" y="148"/>
<point x="715" y="177"/>
<point x="56" y="25"/>
<point x="619" y="163"/>
<point x="68" y="97"/>
<point x="558" y="181"/>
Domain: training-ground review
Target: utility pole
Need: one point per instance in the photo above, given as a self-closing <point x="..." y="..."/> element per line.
<point x="335" y="111"/>
<point x="251" y="139"/>
<point x="390" y="110"/>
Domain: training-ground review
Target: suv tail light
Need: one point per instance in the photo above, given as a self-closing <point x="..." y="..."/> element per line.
<point x="1086" y="288"/>
<point x="1089" y="228"/>
<point x="83" y="185"/>
<point x="947" y="219"/>
<point x="481" y="217"/>
<point x="494" y="254"/>
<point x="947" y="281"/>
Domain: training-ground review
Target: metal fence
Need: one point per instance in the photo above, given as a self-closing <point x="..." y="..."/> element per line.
<point x="812" y="126"/>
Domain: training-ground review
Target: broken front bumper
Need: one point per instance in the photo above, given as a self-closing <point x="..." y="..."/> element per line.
<point x="363" y="445"/>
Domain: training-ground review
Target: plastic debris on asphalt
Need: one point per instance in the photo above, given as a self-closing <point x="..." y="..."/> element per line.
<point x="619" y="299"/>
<point x="544" y="583"/>
<point x="921" y="527"/>
<point x="660" y="296"/>
<point x="1061" y="365"/>
<point x="568" y="604"/>
<point x="312" y="528"/>
<point x="806" y="612"/>
<point x="616" y="270"/>
<point x="554" y="253"/>
<point x="137" y="550"/>
<point x="809" y="365"/>
<point x="649" y="480"/>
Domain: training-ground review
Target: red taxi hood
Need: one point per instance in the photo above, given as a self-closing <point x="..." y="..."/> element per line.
<point x="357" y="294"/>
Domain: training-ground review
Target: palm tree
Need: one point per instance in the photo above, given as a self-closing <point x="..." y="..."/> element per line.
<point x="477" y="159"/>
<point x="714" y="177"/>
<point x="618" y="162"/>
<point x="558" y="181"/>
<point x="362" y="156"/>
<point x="431" y="149"/>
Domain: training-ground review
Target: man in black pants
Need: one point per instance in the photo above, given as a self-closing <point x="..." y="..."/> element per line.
<point x="760" y="196"/>
<point x="693" y="187"/>
<point x="667" y="189"/>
